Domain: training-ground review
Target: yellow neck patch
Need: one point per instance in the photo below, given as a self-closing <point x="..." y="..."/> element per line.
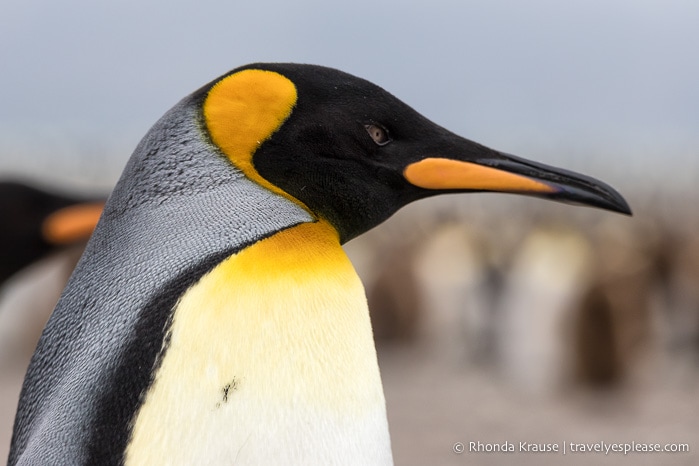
<point x="271" y="360"/>
<point x="243" y="110"/>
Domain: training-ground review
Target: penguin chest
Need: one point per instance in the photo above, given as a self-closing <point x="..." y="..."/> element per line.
<point x="269" y="360"/>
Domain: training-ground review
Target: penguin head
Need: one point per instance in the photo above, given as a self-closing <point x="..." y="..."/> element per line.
<point x="351" y="153"/>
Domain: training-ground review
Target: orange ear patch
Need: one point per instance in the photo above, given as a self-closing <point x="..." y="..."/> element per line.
<point x="72" y="224"/>
<point x="243" y="110"/>
<point x="438" y="173"/>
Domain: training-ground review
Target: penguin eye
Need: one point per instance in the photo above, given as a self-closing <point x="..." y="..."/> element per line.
<point x="378" y="133"/>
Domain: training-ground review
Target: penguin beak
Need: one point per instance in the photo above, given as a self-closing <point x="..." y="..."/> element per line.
<point x="500" y="172"/>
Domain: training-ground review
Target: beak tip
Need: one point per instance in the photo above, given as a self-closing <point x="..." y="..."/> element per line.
<point x="625" y="209"/>
<point x="612" y="201"/>
<point x="602" y="197"/>
<point x="615" y="202"/>
<point x="619" y="208"/>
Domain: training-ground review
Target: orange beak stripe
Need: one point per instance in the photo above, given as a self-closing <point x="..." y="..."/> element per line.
<point x="72" y="224"/>
<point x="436" y="173"/>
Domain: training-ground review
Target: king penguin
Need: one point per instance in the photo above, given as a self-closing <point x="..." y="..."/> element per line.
<point x="214" y="318"/>
<point x="37" y="222"/>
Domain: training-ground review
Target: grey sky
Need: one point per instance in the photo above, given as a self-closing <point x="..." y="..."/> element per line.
<point x="575" y="82"/>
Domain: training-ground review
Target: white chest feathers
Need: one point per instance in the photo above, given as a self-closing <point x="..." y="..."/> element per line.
<point x="270" y="360"/>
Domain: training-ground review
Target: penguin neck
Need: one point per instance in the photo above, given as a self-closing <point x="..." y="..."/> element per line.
<point x="271" y="349"/>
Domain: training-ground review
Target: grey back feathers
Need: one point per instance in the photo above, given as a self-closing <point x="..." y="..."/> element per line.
<point x="179" y="209"/>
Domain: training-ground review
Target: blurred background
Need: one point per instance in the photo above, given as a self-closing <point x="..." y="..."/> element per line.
<point x="497" y="318"/>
